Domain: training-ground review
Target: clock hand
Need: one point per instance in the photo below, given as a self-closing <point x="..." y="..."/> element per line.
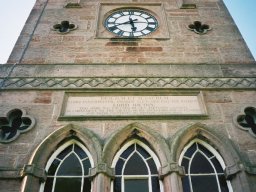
<point x="132" y="24"/>
<point x="127" y="22"/>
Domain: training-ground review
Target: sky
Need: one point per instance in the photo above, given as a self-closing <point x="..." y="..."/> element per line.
<point x="13" y="15"/>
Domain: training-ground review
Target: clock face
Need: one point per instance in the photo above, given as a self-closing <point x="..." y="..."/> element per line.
<point x="131" y="23"/>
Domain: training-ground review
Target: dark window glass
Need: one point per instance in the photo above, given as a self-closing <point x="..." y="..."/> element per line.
<point x="136" y="185"/>
<point x="87" y="185"/>
<point x="65" y="152"/>
<point x="117" y="184"/>
<point x="69" y="176"/>
<point x="87" y="166"/>
<point x="155" y="184"/>
<point x="185" y="163"/>
<point x="185" y="184"/>
<point x="71" y="166"/>
<point x="135" y="166"/>
<point x="68" y="185"/>
<point x="127" y="152"/>
<point x="53" y="167"/>
<point x="200" y="164"/>
<point x="142" y="151"/>
<point x="80" y="152"/>
<point x="191" y="150"/>
<point x="204" y="173"/>
<point x="48" y="185"/>
<point x="223" y="183"/>
<point x="217" y="165"/>
<point x="152" y="166"/>
<point x="204" y="183"/>
<point x="205" y="151"/>
<point x="119" y="166"/>
<point x="141" y="168"/>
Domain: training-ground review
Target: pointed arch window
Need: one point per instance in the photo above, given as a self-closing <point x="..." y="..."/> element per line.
<point x="136" y="169"/>
<point x="68" y="169"/>
<point x="204" y="169"/>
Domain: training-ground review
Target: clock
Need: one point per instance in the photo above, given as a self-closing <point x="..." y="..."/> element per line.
<point x="131" y="23"/>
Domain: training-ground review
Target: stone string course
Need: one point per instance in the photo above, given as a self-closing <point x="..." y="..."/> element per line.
<point x="122" y="82"/>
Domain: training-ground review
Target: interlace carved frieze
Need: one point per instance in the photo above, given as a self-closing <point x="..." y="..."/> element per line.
<point x="121" y="82"/>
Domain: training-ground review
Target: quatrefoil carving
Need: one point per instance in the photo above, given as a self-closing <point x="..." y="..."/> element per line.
<point x="199" y="28"/>
<point x="247" y="121"/>
<point x="15" y="123"/>
<point x="64" y="27"/>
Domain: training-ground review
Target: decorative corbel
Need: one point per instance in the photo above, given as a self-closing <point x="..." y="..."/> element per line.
<point x="102" y="168"/>
<point x="34" y="171"/>
<point x="170" y="168"/>
<point x="233" y="170"/>
<point x="250" y="169"/>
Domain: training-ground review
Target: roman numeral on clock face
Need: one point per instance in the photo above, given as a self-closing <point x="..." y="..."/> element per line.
<point x="150" y="28"/>
<point x="131" y="22"/>
<point x="113" y="28"/>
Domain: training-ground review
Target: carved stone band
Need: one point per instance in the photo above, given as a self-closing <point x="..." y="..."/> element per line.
<point x="129" y="82"/>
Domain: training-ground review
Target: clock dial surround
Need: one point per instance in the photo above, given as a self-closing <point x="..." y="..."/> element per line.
<point x="131" y="23"/>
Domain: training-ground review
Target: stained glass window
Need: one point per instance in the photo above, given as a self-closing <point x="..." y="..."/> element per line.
<point x="136" y="169"/>
<point x="204" y="169"/>
<point x="68" y="169"/>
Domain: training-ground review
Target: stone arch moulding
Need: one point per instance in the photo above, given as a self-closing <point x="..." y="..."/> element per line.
<point x="38" y="161"/>
<point x="140" y="132"/>
<point x="234" y="161"/>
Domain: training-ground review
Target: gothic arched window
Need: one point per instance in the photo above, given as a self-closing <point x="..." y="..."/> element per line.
<point x="68" y="169"/>
<point x="204" y="169"/>
<point x="136" y="169"/>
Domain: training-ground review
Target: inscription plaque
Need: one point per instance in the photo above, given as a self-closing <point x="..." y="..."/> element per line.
<point x="127" y="105"/>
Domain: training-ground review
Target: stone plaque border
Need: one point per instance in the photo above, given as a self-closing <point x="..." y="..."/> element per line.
<point x="131" y="94"/>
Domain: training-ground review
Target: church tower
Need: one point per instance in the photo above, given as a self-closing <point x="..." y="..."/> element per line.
<point x="128" y="96"/>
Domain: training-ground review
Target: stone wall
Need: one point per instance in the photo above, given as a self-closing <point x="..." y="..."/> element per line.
<point x="45" y="66"/>
<point x="43" y="45"/>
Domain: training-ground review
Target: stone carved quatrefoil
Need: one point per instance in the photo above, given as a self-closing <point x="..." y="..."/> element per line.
<point x="64" y="27"/>
<point x="15" y="123"/>
<point x="247" y="121"/>
<point x="199" y="28"/>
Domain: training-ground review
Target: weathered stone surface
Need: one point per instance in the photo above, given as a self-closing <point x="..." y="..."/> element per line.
<point x="46" y="66"/>
<point x="217" y="46"/>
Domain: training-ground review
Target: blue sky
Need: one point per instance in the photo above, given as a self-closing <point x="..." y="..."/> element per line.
<point x="14" y="13"/>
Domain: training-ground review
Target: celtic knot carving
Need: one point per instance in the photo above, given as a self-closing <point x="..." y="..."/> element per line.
<point x="129" y="82"/>
<point x="15" y="123"/>
<point x="247" y="121"/>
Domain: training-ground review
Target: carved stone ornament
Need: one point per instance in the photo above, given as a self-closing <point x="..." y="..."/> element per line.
<point x="15" y="123"/>
<point x="247" y="121"/>
<point x="64" y="27"/>
<point x="199" y="28"/>
<point x="129" y="82"/>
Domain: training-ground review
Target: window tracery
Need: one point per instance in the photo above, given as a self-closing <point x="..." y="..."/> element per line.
<point x="68" y="169"/>
<point x="136" y="169"/>
<point x="247" y="121"/>
<point x="204" y="169"/>
<point x="15" y="123"/>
